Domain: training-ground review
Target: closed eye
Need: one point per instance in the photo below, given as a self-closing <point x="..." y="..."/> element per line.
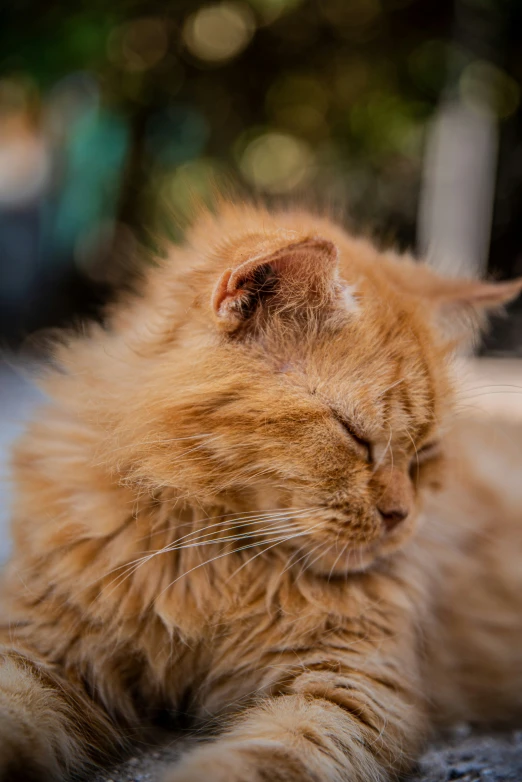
<point x="428" y="451"/>
<point x="364" y="447"/>
<point x="423" y="455"/>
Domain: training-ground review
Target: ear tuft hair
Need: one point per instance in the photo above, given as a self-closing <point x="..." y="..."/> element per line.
<point x="296" y="273"/>
<point x="462" y="306"/>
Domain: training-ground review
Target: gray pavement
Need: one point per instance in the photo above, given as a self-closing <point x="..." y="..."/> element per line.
<point x="461" y="755"/>
<point x="18" y="398"/>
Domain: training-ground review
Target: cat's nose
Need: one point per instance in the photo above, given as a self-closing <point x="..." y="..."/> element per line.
<point x="394" y="499"/>
<point x="392" y="517"/>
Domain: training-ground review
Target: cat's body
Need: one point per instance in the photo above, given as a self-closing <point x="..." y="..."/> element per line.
<point x="195" y="531"/>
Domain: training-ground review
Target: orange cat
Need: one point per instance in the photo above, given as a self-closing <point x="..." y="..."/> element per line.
<point x="250" y="501"/>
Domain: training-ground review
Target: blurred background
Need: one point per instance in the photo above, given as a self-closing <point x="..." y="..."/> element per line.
<point x="405" y="115"/>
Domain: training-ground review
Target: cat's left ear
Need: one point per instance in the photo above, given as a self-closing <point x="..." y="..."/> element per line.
<point x="459" y="303"/>
<point x="293" y="275"/>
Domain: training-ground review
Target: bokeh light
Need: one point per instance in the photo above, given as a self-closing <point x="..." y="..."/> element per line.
<point x="139" y="44"/>
<point x="485" y="86"/>
<point x="428" y="65"/>
<point x="114" y="118"/>
<point x="218" y="33"/>
<point x="276" y="162"/>
<point x="270" y="10"/>
<point x="176" y="134"/>
<point x="384" y="125"/>
<point x="25" y="165"/>
<point x="356" y="20"/>
<point x="183" y="188"/>
<point x="299" y="102"/>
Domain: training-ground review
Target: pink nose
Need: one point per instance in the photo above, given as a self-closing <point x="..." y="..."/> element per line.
<point x="394" y="495"/>
<point x="392" y="517"/>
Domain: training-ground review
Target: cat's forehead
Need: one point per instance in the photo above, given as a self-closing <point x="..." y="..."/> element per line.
<point x="384" y="374"/>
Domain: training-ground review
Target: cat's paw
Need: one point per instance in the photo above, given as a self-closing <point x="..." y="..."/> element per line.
<point x="16" y="765"/>
<point x="22" y="760"/>
<point x="252" y="761"/>
<point x="205" y="766"/>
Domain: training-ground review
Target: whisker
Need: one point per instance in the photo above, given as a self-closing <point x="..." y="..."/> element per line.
<point x="341" y="554"/>
<point x="265" y="550"/>
<point x="291" y="563"/>
<point x="129" y="568"/>
<point x="491" y="393"/>
<point x="167" y="440"/>
<point x="383" y="455"/>
<point x="389" y="388"/>
<point x="415" y="449"/>
<point x="128" y="573"/>
<point x="493" y="385"/>
<point x="324" y="546"/>
<point x="234" y="523"/>
<point x="228" y="523"/>
<point x="226" y="553"/>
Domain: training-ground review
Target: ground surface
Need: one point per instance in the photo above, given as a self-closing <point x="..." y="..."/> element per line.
<point x="474" y="759"/>
<point x="495" y="386"/>
<point x="460" y="756"/>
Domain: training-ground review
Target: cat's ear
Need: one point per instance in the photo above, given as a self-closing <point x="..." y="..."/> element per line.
<point x="290" y="276"/>
<point x="461" y="304"/>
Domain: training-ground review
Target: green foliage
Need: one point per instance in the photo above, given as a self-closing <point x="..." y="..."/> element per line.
<point x="329" y="95"/>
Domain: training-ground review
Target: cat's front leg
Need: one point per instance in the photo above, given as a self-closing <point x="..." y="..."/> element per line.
<point x="329" y="727"/>
<point x="49" y="729"/>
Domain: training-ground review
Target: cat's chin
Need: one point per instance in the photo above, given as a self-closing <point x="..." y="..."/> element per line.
<point x="355" y="560"/>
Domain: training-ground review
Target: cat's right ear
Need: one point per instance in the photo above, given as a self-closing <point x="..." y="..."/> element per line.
<point x="462" y="306"/>
<point x="292" y="276"/>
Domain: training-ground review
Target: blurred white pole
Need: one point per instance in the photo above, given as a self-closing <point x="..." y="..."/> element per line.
<point x="457" y="194"/>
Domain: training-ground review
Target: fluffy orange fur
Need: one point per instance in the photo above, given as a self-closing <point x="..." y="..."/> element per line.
<point x="250" y="502"/>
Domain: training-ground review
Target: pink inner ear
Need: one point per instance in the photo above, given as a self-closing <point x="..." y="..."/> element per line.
<point x="221" y="290"/>
<point x="315" y="248"/>
<point x="314" y="258"/>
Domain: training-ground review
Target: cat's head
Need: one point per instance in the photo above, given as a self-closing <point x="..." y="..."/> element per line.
<point x="298" y="372"/>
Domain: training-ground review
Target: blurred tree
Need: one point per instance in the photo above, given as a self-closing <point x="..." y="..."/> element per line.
<point x="330" y="97"/>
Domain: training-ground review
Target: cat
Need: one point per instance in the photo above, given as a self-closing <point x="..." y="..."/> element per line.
<point x="253" y="501"/>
